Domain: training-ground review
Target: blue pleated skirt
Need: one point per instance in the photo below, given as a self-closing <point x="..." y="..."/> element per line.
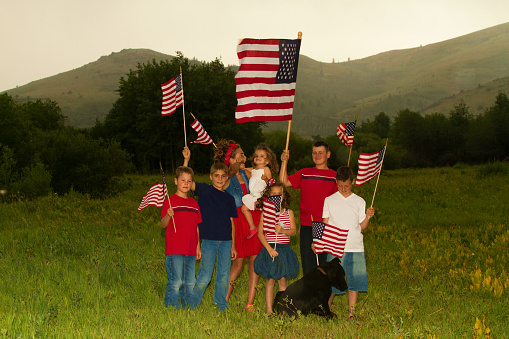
<point x="285" y="265"/>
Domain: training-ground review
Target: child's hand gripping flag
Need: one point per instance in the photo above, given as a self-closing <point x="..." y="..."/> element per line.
<point x="329" y="239"/>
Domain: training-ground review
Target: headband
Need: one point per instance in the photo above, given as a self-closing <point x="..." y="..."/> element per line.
<point x="271" y="182"/>
<point x="229" y="154"/>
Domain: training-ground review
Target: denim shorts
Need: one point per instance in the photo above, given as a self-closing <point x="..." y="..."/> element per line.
<point x="354" y="264"/>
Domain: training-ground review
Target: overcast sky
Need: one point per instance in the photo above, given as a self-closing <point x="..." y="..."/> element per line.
<point x="39" y="39"/>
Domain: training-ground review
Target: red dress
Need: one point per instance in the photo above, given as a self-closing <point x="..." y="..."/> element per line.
<point x="246" y="247"/>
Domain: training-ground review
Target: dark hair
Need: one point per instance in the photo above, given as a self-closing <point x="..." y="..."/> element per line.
<point x="218" y="166"/>
<point x="344" y="174"/>
<point x="271" y="157"/>
<point x="221" y="149"/>
<point x="321" y="143"/>
<point x="184" y="169"/>
<point x="285" y="202"/>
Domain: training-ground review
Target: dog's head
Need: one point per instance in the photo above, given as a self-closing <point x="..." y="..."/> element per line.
<point x="335" y="273"/>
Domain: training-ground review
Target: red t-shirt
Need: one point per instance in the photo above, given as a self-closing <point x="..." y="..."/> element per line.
<point x="315" y="185"/>
<point x="187" y="217"/>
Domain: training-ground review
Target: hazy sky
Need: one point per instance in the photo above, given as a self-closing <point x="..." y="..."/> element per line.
<point x="43" y="38"/>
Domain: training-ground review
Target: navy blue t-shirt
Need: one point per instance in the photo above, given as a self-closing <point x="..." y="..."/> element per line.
<point x="216" y="208"/>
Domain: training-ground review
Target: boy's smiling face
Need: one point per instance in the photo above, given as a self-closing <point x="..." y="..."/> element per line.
<point x="345" y="187"/>
<point x="219" y="179"/>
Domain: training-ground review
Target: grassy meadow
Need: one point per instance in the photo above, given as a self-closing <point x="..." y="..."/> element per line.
<point x="436" y="251"/>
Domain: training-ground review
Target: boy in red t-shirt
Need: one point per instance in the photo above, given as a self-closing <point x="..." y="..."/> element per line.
<point x="315" y="184"/>
<point x="182" y="245"/>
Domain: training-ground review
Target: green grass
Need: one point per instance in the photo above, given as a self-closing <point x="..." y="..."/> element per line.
<point x="436" y="255"/>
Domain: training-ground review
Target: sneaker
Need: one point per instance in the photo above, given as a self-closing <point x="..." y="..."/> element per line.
<point x="252" y="233"/>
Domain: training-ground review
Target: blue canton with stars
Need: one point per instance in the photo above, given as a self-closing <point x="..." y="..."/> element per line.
<point x="288" y="61"/>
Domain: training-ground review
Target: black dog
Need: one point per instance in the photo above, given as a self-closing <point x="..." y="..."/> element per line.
<point x="310" y="294"/>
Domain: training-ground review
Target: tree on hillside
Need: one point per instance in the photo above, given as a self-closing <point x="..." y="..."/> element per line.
<point x="209" y="92"/>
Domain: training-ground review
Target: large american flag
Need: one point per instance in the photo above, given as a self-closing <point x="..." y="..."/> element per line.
<point x="370" y="165"/>
<point x="203" y="137"/>
<point x="154" y="197"/>
<point x="173" y="95"/>
<point x="345" y="132"/>
<point x="266" y="79"/>
<point x="329" y="239"/>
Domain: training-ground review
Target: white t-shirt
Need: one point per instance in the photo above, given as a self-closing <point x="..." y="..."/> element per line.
<point x="347" y="213"/>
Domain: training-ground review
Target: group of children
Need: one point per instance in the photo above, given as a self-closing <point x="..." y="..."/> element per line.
<point x="211" y="220"/>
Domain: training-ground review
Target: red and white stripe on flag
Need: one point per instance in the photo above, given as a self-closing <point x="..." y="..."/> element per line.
<point x="329" y="239"/>
<point x="173" y="95"/>
<point x="266" y="79"/>
<point x="154" y="197"/>
<point x="370" y="165"/>
<point x="203" y="137"/>
<point x="345" y="132"/>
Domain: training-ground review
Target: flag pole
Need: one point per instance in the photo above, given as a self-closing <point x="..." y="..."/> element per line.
<point x="283" y="165"/>
<point x="351" y="144"/>
<point x="317" y="262"/>
<point x="183" y="110"/>
<point x="166" y="190"/>
<point x="383" y="156"/>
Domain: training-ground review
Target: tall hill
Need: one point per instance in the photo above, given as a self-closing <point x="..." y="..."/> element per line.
<point x="426" y="79"/>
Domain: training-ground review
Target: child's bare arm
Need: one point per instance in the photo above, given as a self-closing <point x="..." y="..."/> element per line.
<point x="370" y="212"/>
<point x="267" y="174"/>
<point x="234" y="249"/>
<point x="263" y="240"/>
<point x="186" y="152"/>
<point x="165" y="221"/>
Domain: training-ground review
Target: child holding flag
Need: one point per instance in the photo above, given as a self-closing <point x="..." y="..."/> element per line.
<point x="277" y="260"/>
<point x="347" y="210"/>
<point x="182" y="245"/>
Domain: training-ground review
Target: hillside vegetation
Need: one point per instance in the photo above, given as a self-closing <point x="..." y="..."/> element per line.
<point x="327" y="93"/>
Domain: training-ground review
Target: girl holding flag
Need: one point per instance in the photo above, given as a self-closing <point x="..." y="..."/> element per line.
<point x="277" y="260"/>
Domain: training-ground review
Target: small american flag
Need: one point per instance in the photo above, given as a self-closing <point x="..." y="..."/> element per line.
<point x="370" y="165"/>
<point x="266" y="79"/>
<point x="329" y="239"/>
<point x="271" y="210"/>
<point x="203" y="137"/>
<point x="345" y="132"/>
<point x="154" y="197"/>
<point x="173" y="95"/>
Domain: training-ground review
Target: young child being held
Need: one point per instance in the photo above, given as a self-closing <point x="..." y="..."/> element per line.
<point x="217" y="233"/>
<point x="281" y="262"/>
<point x="182" y="245"/>
<point x="265" y="163"/>
<point x="347" y="210"/>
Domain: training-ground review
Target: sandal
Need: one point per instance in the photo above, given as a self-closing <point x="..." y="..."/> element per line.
<point x="252" y="233"/>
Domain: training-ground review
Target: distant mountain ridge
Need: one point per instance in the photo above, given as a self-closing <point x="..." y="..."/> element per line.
<point x="428" y="79"/>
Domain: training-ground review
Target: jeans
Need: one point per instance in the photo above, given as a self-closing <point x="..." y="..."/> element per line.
<point x="307" y="256"/>
<point x="209" y="250"/>
<point x="181" y="270"/>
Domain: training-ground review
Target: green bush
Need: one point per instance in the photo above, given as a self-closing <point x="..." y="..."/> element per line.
<point x="35" y="181"/>
<point x="491" y="169"/>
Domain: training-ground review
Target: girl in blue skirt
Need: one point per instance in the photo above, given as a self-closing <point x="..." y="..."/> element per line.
<point x="277" y="260"/>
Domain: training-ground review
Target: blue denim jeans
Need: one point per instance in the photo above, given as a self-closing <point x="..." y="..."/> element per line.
<point x="209" y="250"/>
<point x="181" y="270"/>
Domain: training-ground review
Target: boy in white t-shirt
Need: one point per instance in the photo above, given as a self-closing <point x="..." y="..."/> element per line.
<point x="345" y="209"/>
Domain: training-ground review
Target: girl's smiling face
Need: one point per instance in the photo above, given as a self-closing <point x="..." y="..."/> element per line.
<point x="276" y="190"/>
<point x="260" y="158"/>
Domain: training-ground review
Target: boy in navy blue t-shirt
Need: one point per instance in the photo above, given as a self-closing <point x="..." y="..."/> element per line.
<point x="217" y="232"/>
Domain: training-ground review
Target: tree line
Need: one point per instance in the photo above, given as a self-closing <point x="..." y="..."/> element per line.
<point x="39" y="154"/>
